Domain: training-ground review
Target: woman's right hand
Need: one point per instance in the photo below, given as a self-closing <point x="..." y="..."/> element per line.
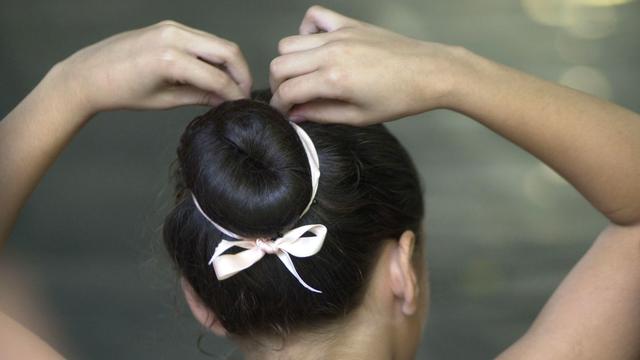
<point x="161" y="66"/>
<point x="342" y="70"/>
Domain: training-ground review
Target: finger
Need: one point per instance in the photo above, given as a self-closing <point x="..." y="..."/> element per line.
<point x="326" y="111"/>
<point x="221" y="52"/>
<point x="189" y="95"/>
<point x="302" y="89"/>
<point x="320" y="19"/>
<point x="186" y="69"/>
<point x="212" y="49"/>
<point x="303" y="42"/>
<point x="288" y="66"/>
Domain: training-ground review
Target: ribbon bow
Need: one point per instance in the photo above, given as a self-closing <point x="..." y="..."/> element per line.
<point x="291" y="243"/>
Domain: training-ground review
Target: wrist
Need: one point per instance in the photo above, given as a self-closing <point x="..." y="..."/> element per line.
<point x="463" y="75"/>
<point x="62" y="86"/>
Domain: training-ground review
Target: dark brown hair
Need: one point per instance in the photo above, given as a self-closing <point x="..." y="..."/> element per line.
<point x="248" y="170"/>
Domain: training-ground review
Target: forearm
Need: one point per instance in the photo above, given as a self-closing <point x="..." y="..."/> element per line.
<point x="592" y="143"/>
<point x="32" y="136"/>
<point x="157" y="67"/>
<point x="16" y="342"/>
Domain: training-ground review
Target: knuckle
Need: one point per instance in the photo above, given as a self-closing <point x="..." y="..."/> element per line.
<point x="167" y="60"/>
<point x="336" y="76"/>
<point x="284" y="44"/>
<point x="336" y="48"/>
<point x="458" y="50"/>
<point x="285" y="91"/>
<point x="168" y="55"/>
<point x="275" y="66"/>
<point x="337" y="80"/>
<point x="168" y="31"/>
<point x="233" y="49"/>
<point x="167" y="22"/>
<point x="312" y="10"/>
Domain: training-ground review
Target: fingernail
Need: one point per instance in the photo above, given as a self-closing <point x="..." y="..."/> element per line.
<point x="296" y="118"/>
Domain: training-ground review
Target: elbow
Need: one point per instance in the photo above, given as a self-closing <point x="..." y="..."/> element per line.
<point x="625" y="216"/>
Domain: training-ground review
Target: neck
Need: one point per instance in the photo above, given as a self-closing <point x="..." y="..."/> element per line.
<point x="362" y="338"/>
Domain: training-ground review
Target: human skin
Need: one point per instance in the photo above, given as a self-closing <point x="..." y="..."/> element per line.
<point x="329" y="77"/>
<point x="156" y="67"/>
<point x="153" y="68"/>
<point x="543" y="118"/>
<point x="342" y="70"/>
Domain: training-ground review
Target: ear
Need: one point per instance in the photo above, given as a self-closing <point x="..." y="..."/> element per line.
<point x="404" y="283"/>
<point x="200" y="311"/>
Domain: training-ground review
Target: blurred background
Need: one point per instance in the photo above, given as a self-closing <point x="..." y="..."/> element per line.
<point x="85" y="267"/>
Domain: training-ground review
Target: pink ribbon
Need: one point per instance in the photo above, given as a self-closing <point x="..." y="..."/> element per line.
<point x="291" y="243"/>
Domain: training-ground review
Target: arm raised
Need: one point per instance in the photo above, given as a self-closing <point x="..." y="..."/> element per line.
<point x="157" y="67"/>
<point x="595" y="145"/>
<point x="360" y="74"/>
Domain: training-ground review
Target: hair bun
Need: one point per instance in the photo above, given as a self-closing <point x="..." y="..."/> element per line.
<point x="247" y="167"/>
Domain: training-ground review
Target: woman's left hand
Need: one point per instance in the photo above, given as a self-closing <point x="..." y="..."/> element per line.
<point x="341" y="70"/>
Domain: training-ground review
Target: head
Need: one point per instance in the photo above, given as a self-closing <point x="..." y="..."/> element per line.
<point x="247" y="167"/>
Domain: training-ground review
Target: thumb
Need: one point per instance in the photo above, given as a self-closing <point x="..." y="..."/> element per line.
<point x="326" y="111"/>
<point x="191" y="95"/>
<point x="320" y="19"/>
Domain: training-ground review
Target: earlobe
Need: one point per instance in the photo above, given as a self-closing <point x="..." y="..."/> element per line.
<point x="200" y="311"/>
<point x="403" y="275"/>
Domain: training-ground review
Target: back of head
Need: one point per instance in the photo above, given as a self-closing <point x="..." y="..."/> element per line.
<point x="247" y="167"/>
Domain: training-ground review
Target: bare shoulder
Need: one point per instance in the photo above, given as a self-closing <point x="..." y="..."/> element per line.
<point x="595" y="312"/>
